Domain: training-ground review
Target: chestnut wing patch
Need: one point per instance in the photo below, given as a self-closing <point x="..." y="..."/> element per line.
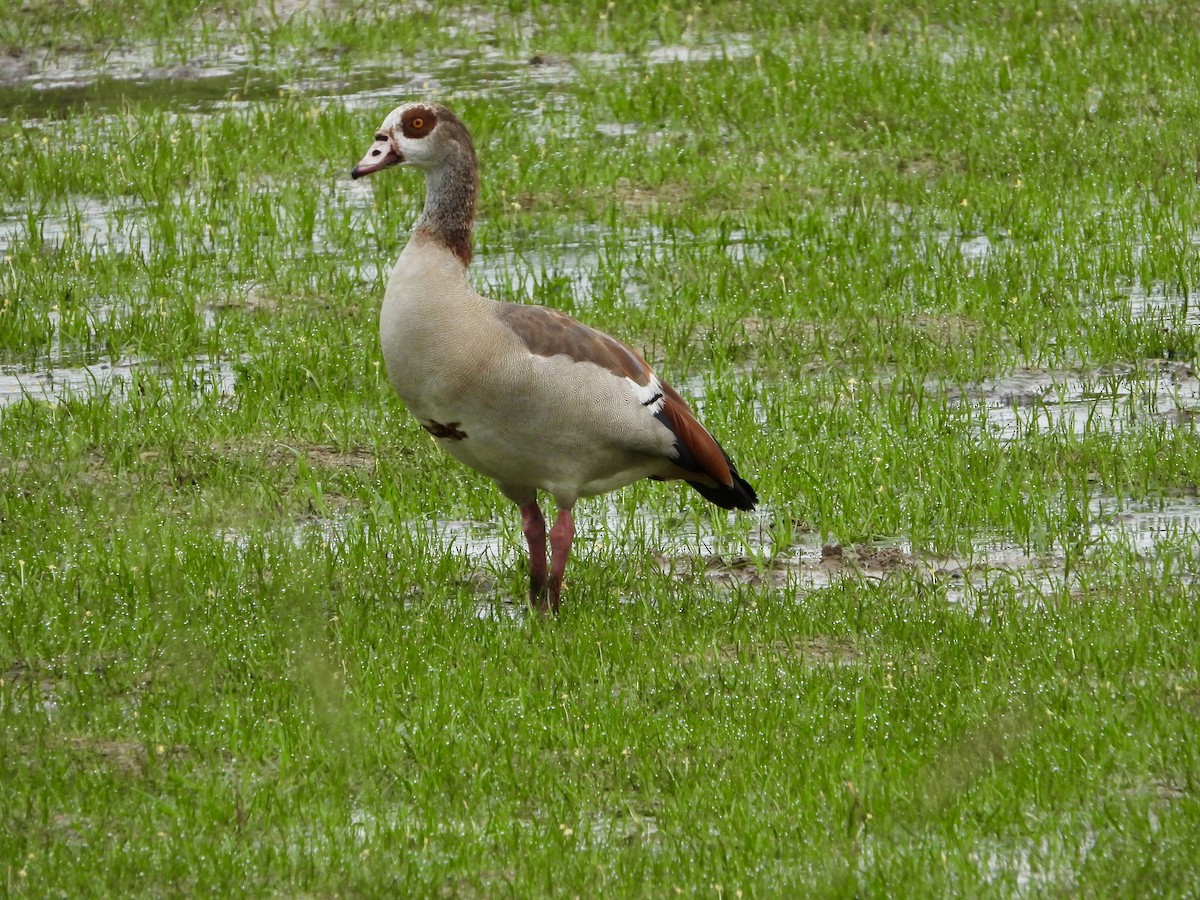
<point x="701" y="461"/>
<point x="698" y="450"/>
<point x="548" y="332"/>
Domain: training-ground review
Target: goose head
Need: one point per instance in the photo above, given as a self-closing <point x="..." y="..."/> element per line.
<point x="424" y="135"/>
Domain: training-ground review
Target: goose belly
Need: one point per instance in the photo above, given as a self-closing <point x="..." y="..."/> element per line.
<point x="531" y="453"/>
<point x="541" y="423"/>
<point x="549" y="423"/>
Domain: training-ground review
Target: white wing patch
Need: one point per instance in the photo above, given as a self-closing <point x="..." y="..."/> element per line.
<point x="650" y="395"/>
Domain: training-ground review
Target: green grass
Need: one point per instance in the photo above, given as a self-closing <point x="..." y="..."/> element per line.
<point x="245" y="647"/>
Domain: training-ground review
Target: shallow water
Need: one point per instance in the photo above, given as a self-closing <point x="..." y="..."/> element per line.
<point x="1112" y="399"/>
<point x="742" y="550"/>
<point x="71" y="82"/>
<point x="106" y="378"/>
<point x="113" y="225"/>
<point x="730" y="46"/>
<point x="1147" y="524"/>
<point x="1157" y="305"/>
<point x="579" y="258"/>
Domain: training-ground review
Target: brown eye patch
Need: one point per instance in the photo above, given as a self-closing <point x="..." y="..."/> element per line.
<point x="417" y="122"/>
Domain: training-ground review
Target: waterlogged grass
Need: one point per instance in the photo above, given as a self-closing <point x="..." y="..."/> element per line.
<point x="926" y="271"/>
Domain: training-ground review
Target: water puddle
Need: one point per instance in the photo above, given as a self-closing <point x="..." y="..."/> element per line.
<point x="91" y="222"/>
<point x="22" y="689"/>
<point x="808" y="563"/>
<point x="220" y="75"/>
<point x="732" y="551"/>
<point x="227" y="80"/>
<point x="138" y="74"/>
<point x="726" y="47"/>
<point x="1147" y="525"/>
<point x="974" y="247"/>
<point x="1111" y="399"/>
<point x="1157" y="305"/>
<point x="1042" y="867"/>
<point x="568" y="262"/>
<point x="586" y="260"/>
<point x="105" y="378"/>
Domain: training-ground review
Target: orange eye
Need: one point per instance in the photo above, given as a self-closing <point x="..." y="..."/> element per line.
<point x="418" y="123"/>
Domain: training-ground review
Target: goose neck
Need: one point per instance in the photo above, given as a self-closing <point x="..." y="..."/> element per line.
<point x="449" y="214"/>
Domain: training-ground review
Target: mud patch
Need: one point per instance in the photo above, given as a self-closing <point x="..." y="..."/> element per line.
<point x="134" y="757"/>
<point x="947" y="328"/>
<point x="867" y="557"/>
<point x="818" y="650"/>
<point x="641" y="198"/>
<point x="27" y="688"/>
<point x="249" y="297"/>
<point x="42" y="684"/>
<point x="324" y="455"/>
<point x="809" y="563"/>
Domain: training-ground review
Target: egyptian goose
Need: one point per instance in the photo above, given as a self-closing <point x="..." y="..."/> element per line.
<point x="524" y="394"/>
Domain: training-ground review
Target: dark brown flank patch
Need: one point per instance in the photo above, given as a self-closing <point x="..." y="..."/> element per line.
<point x="548" y="332"/>
<point x="450" y="431"/>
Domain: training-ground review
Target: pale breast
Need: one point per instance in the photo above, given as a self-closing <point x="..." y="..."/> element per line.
<point x="527" y="419"/>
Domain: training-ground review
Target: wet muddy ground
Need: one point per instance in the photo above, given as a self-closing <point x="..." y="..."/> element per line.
<point x="243" y="623"/>
<point x="733" y="556"/>
<point x="1021" y="402"/>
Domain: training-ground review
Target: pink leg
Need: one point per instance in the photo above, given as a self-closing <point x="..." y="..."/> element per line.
<point x="561" y="536"/>
<point x="534" y="526"/>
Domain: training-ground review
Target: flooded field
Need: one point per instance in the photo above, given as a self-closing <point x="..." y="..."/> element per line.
<point x="927" y="277"/>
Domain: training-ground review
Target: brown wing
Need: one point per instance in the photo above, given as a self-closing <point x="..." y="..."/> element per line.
<point x="699" y="459"/>
<point x="549" y="332"/>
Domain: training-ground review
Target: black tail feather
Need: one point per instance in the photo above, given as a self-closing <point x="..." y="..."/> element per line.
<point x="739" y="495"/>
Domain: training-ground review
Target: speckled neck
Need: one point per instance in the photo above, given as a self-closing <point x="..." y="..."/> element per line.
<point x="451" y="192"/>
